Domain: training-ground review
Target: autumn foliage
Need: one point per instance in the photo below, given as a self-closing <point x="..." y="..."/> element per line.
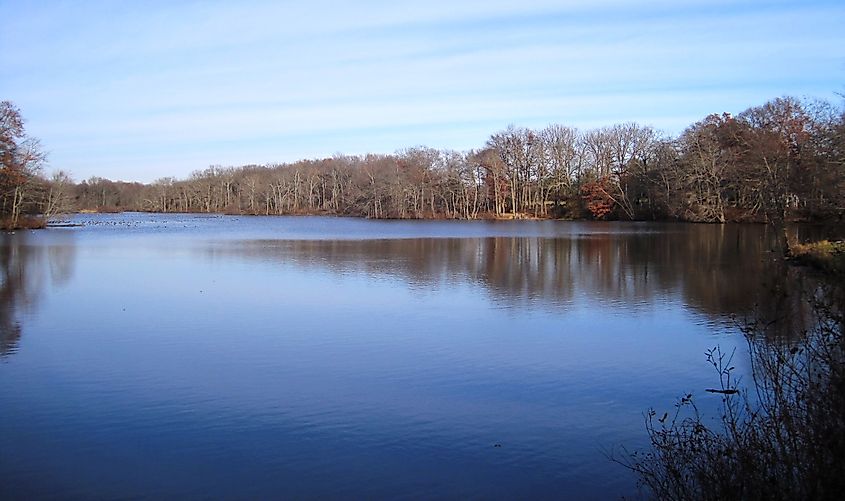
<point x="596" y="198"/>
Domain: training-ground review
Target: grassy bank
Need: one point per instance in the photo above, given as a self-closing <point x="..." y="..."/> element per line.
<point x="823" y="255"/>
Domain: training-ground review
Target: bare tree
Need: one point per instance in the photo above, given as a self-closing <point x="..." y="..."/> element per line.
<point x="57" y="199"/>
<point x="564" y="155"/>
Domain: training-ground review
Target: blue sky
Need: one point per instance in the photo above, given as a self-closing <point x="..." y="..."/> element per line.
<point x="142" y="90"/>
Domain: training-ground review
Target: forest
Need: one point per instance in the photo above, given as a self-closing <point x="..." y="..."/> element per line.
<point x="783" y="160"/>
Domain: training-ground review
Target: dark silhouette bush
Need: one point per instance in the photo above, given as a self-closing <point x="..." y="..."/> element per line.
<point x="783" y="437"/>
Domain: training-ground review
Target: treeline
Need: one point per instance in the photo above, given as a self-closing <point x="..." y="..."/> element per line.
<point x="784" y="159"/>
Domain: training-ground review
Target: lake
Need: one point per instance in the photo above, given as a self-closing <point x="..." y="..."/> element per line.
<point x="194" y="356"/>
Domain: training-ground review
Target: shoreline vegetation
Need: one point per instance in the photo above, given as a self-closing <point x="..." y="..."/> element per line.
<point x="781" y="436"/>
<point x="778" y="162"/>
<point x="823" y="255"/>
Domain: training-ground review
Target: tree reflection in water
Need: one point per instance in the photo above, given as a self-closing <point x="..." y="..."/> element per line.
<point x="719" y="270"/>
<point x="29" y="263"/>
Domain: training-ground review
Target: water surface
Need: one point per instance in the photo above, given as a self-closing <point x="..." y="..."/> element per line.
<point x="146" y="356"/>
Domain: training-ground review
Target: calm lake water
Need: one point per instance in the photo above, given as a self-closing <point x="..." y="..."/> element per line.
<point x="182" y="356"/>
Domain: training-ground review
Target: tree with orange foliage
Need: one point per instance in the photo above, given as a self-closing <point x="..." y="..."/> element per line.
<point x="595" y="194"/>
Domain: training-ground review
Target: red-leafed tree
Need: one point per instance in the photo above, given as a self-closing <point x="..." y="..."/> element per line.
<point x="597" y="198"/>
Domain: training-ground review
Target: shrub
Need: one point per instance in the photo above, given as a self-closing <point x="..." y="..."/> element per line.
<point x="782" y="438"/>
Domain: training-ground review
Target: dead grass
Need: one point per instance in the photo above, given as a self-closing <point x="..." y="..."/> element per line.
<point x="824" y="255"/>
<point x="24" y="223"/>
